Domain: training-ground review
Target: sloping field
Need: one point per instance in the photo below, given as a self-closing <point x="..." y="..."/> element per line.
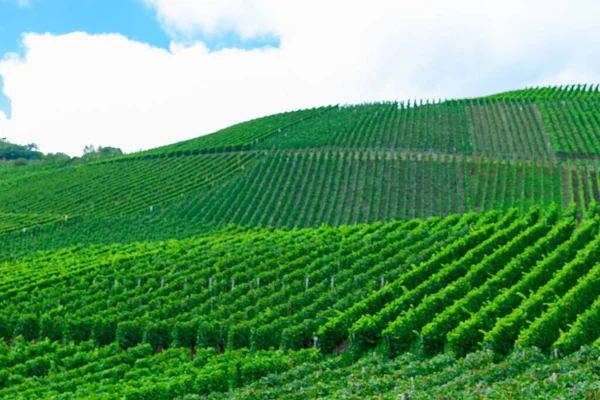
<point x="464" y="154"/>
<point x="436" y="249"/>
<point x="423" y="286"/>
<point x="305" y="189"/>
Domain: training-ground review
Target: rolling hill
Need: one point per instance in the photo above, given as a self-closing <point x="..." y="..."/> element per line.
<point x="443" y="248"/>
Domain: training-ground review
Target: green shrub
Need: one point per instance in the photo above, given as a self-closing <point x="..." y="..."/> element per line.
<point x="51" y="328"/>
<point x="77" y="330"/>
<point x="28" y="326"/>
<point x="104" y="331"/>
<point x="158" y="335"/>
<point x="129" y="334"/>
<point x="184" y="334"/>
<point x="208" y="335"/>
<point x="5" y="328"/>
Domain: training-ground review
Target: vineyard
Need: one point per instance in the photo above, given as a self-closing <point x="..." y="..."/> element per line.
<point x="420" y="249"/>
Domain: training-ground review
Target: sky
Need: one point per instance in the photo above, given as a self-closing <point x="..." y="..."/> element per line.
<point x="138" y="74"/>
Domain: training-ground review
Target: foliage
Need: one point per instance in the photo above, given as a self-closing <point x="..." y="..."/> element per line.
<point x="443" y="249"/>
<point x="12" y="151"/>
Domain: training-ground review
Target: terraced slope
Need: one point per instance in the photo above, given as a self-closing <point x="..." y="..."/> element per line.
<point x="531" y="126"/>
<point x="553" y="92"/>
<point x="236" y="137"/>
<point x="305" y="189"/>
<point x="437" y="249"/>
<point x="506" y="129"/>
<point x="171" y="318"/>
<point x="107" y="189"/>
<point x="333" y="165"/>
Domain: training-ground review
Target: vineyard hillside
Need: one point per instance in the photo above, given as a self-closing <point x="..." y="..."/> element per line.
<point x="334" y="165"/>
<point x="416" y="249"/>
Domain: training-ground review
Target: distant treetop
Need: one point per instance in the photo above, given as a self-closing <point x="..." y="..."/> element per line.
<point x="11" y="151"/>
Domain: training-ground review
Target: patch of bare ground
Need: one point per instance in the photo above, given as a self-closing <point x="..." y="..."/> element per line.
<point x="342" y="347"/>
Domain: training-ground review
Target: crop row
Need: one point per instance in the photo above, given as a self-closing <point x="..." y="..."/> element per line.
<point x="309" y="188"/>
<point x="306" y="189"/>
<point x="237" y="137"/>
<point x="497" y="280"/>
<point x="574" y="126"/>
<point x="121" y="187"/>
<point x="504" y="128"/>
<point x="48" y="370"/>
<point x="10" y="222"/>
<point x="576" y="91"/>
<point x="441" y="309"/>
<point x="261" y="277"/>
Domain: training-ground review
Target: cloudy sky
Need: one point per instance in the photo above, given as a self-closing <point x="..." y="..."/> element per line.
<point x="137" y="74"/>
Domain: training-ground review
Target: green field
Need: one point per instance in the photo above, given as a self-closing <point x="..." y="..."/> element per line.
<point x="422" y="249"/>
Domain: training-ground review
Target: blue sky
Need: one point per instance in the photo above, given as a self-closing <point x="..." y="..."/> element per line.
<point x="178" y="69"/>
<point x="131" y="18"/>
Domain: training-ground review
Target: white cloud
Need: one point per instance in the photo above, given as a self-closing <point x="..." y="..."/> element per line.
<point x="247" y="17"/>
<point x="76" y="89"/>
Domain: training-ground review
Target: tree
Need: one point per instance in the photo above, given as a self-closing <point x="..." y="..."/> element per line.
<point x="89" y="149"/>
<point x="12" y="151"/>
<point x="56" y="156"/>
<point x="32" y="147"/>
<point x="109" y="151"/>
<point x="91" y="153"/>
